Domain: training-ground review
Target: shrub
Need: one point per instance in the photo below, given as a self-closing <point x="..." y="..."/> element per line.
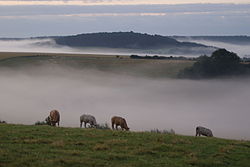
<point x="103" y="126"/>
<point x="41" y="123"/>
<point x="3" y="122"/>
<point x="171" y="131"/>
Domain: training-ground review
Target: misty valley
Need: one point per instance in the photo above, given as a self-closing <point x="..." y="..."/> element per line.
<point x="145" y="92"/>
<point x="69" y="101"/>
<point x="128" y="83"/>
<point x="49" y="73"/>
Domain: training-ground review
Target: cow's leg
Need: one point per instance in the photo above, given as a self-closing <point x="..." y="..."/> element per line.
<point x="196" y="134"/>
<point x="80" y="124"/>
<point x="116" y="127"/>
<point x="58" y="123"/>
<point x="85" y="123"/>
<point x="113" y="125"/>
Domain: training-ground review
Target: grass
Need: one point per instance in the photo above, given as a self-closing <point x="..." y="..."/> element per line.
<point x="109" y="63"/>
<point x="6" y="55"/>
<point x="43" y="146"/>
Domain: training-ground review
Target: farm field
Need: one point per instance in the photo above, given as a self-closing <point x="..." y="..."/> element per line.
<point x="23" y="145"/>
<point x="4" y="55"/>
<point x="110" y="63"/>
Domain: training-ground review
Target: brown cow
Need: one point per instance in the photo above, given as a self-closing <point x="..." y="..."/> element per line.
<point x="53" y="118"/>
<point x="119" y="121"/>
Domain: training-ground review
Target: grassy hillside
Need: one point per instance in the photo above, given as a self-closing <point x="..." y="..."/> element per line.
<point x="38" y="146"/>
<point x="109" y="63"/>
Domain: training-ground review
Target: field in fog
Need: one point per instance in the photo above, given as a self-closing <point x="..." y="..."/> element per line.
<point x="28" y="93"/>
<point x="109" y="63"/>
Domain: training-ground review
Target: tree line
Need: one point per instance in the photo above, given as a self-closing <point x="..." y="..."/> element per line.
<point x="221" y="63"/>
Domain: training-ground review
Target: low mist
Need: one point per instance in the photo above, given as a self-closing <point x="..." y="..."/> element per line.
<point x="28" y="94"/>
<point x="32" y="45"/>
<point x="48" y="45"/>
<point x="241" y="50"/>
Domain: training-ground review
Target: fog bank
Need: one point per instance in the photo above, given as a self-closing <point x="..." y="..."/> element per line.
<point x="28" y="94"/>
<point x="241" y="50"/>
<point x="32" y="45"/>
<point x="48" y="45"/>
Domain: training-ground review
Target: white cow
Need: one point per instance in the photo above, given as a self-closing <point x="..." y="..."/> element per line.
<point x="203" y="131"/>
<point x="87" y="119"/>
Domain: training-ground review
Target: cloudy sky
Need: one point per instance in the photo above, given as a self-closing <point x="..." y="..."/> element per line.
<point x="166" y="17"/>
<point x="112" y="2"/>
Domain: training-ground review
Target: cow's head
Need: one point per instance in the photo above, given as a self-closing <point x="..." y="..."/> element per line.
<point x="48" y="120"/>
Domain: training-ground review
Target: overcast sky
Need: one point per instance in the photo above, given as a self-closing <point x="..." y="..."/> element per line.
<point x="180" y="17"/>
<point x="113" y="2"/>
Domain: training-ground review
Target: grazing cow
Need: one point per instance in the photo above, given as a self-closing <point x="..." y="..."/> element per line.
<point x="47" y="120"/>
<point x="203" y="131"/>
<point x="87" y="119"/>
<point x="53" y="118"/>
<point x="119" y="121"/>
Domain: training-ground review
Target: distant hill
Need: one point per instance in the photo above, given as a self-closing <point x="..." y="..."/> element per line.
<point x="129" y="40"/>
<point x="124" y="42"/>
<point x="134" y="43"/>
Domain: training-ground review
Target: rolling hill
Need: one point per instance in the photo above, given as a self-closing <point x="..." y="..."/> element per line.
<point x="117" y="42"/>
<point x="155" y="68"/>
<point x="128" y="40"/>
<point x="151" y="44"/>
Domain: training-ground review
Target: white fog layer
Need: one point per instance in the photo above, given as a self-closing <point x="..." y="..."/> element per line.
<point x="28" y="95"/>
<point x="49" y="46"/>
<point x="33" y="45"/>
<point x="241" y="50"/>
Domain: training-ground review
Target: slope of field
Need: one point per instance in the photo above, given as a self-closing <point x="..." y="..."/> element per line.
<point x="22" y="145"/>
<point x="110" y="63"/>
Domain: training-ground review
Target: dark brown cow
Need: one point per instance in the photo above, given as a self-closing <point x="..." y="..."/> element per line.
<point x="53" y="118"/>
<point x="119" y="121"/>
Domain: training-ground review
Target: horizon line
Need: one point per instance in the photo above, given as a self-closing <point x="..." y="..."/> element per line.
<point x="152" y="34"/>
